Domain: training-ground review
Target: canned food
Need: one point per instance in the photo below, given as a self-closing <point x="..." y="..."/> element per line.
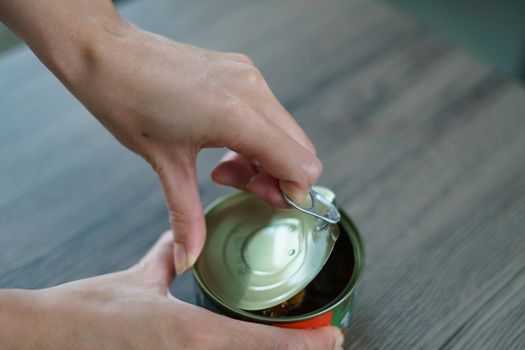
<point x="279" y="267"/>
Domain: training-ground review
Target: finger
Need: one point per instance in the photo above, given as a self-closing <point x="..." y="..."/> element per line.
<point x="320" y="338"/>
<point x="226" y="333"/>
<point x="296" y="168"/>
<point x="266" y="187"/>
<point x="157" y="264"/>
<point x="269" y="106"/>
<point x="281" y="118"/>
<point x="179" y="181"/>
<point x="235" y="173"/>
<point x="238" y="171"/>
<point x="268" y="337"/>
<point x="245" y="176"/>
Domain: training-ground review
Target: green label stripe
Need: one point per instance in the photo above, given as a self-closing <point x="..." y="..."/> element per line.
<point x="342" y="314"/>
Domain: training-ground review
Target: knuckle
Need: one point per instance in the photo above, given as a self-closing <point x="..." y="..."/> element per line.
<point x="241" y="57"/>
<point x="239" y="116"/>
<point x="251" y="76"/>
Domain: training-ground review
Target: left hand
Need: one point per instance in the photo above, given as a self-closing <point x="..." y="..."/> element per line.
<point x="133" y="309"/>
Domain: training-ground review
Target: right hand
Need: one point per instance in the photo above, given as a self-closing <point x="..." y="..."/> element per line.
<point x="166" y="101"/>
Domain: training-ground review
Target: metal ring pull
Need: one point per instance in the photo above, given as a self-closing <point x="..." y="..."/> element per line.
<point x="320" y="207"/>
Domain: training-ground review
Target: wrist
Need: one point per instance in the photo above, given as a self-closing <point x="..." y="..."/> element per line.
<point x="74" y="54"/>
<point x="65" y="34"/>
<point x="21" y="318"/>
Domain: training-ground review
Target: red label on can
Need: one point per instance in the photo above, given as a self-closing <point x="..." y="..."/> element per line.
<point x="319" y="321"/>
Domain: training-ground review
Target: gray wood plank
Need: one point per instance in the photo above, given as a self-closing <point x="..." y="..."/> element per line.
<point x="423" y="146"/>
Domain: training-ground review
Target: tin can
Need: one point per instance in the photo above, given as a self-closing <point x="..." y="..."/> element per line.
<point x="329" y="297"/>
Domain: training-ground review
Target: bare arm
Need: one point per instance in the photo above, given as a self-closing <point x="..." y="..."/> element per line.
<point x="133" y="309"/>
<point x="165" y="101"/>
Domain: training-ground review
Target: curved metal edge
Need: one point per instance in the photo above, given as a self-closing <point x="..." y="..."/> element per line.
<point x="359" y="257"/>
<point x="333" y="218"/>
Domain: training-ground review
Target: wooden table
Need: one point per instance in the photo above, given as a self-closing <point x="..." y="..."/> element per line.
<point x="424" y="147"/>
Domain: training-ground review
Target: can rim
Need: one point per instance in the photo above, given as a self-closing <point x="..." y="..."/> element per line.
<point x="359" y="260"/>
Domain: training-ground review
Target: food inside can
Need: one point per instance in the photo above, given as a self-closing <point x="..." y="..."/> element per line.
<point x="324" y="288"/>
<point x="258" y="256"/>
<point x="279" y="267"/>
<point x="287" y="307"/>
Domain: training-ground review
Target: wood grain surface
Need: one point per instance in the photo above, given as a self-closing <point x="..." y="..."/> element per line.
<point x="423" y="146"/>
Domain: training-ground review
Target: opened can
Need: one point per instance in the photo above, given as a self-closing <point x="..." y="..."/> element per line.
<point x="279" y="267"/>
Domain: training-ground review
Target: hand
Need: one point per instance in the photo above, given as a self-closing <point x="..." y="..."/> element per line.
<point x="166" y="101"/>
<point x="134" y="309"/>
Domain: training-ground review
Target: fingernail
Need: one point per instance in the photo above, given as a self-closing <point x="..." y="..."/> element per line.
<point x="191" y="260"/>
<point x="221" y="178"/>
<point x="339" y="339"/>
<point x="297" y="196"/>
<point x="181" y="258"/>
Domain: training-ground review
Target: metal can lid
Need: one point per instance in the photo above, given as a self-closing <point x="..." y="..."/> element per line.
<point x="257" y="256"/>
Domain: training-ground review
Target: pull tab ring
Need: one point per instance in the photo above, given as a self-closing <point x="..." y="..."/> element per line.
<point x="320" y="207"/>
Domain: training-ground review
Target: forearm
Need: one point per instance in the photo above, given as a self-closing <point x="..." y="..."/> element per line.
<point x="64" y="34"/>
<point x="20" y="320"/>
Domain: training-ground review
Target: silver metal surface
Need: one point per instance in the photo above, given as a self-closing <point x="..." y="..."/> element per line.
<point x="319" y="207"/>
<point x="257" y="256"/>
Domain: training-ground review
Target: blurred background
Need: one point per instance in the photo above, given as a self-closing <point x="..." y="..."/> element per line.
<point x="492" y="31"/>
<point x="420" y="137"/>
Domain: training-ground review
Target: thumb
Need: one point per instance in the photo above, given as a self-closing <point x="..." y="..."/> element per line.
<point x="181" y="190"/>
<point x="156" y="266"/>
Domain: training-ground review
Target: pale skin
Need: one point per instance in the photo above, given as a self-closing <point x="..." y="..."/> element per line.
<point x="133" y="309"/>
<point x="165" y="101"/>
